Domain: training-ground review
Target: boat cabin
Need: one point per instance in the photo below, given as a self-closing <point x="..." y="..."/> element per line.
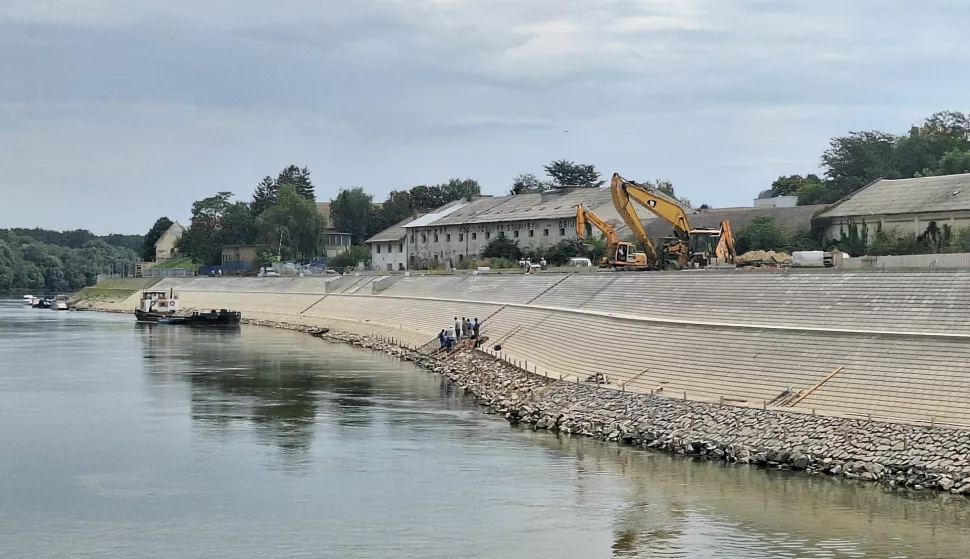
<point x="159" y="302"/>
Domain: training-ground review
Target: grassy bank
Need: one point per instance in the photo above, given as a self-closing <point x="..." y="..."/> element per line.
<point x="114" y="290"/>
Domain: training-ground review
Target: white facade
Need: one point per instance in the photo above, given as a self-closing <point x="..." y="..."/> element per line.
<point x="450" y="245"/>
<point x="388" y="256"/>
<point x="777" y="202"/>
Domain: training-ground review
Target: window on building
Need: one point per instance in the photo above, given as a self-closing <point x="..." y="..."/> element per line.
<point x="412" y="239"/>
<point x="461" y="237"/>
<point x="400" y="247"/>
<point x="424" y="238"/>
<point x="388" y="248"/>
<point x="436" y="238"/>
<point x="562" y="232"/>
<point x="488" y="235"/>
<point x="545" y="232"/>
<point x="474" y="236"/>
<point x="461" y="257"/>
<point x="448" y="237"/>
<point x="378" y="248"/>
<point x="532" y="232"/>
<point x="515" y="234"/>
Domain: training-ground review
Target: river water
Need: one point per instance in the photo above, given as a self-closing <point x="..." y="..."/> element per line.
<point x="119" y="440"/>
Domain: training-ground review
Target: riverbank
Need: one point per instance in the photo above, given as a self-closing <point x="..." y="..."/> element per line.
<point x="892" y="454"/>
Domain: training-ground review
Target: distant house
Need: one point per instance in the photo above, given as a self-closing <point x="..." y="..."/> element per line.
<point x="335" y="242"/>
<point x="240" y="257"/>
<point x="906" y="206"/>
<point x="165" y="245"/>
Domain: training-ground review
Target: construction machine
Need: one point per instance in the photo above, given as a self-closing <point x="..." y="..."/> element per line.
<point x="688" y="246"/>
<point x="619" y="254"/>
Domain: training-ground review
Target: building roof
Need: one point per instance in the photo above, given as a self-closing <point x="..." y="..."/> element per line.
<point x="790" y="218"/>
<point x="175" y="228"/>
<point x="554" y="204"/>
<point x="906" y="196"/>
<point x="324" y="208"/>
<point x="440" y="213"/>
<point x="395" y="232"/>
<point x="333" y="231"/>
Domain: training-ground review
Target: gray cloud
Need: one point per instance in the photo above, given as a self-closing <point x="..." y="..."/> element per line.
<point x="115" y="112"/>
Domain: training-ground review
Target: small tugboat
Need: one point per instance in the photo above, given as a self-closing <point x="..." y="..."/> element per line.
<point x="59" y="303"/>
<point x="41" y="303"/>
<point x="157" y="307"/>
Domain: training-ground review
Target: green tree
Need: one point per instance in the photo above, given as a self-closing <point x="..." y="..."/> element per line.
<point x="293" y="224"/>
<point x="566" y="174"/>
<point x="148" y="248"/>
<point x="425" y="197"/>
<point x="264" y="196"/>
<point x="761" y="233"/>
<point x="238" y="225"/>
<point x="397" y="207"/>
<point x="299" y="179"/>
<point x="202" y="241"/>
<point x="457" y="189"/>
<point x="352" y="211"/>
<point x="528" y="183"/>
<point x="855" y="160"/>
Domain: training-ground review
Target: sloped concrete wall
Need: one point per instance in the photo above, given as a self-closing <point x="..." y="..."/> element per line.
<point x="889" y="345"/>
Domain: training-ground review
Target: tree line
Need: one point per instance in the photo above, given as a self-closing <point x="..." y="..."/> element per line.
<point x="940" y="145"/>
<point x="44" y="260"/>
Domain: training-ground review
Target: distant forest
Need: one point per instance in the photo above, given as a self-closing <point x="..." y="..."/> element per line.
<point x="42" y="260"/>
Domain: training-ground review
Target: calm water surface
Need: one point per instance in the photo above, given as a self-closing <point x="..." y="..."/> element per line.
<point x="121" y="441"/>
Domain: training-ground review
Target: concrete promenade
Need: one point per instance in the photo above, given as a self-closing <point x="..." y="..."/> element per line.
<point x="882" y="345"/>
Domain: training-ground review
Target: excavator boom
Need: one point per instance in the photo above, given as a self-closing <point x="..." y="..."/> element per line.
<point x="584" y="215"/>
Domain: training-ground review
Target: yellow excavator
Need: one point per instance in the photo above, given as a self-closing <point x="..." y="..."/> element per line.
<point x="688" y="246"/>
<point x="619" y="254"/>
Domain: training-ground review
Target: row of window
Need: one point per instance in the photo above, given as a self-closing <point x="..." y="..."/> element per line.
<point x="400" y="248"/>
<point x="488" y="235"/>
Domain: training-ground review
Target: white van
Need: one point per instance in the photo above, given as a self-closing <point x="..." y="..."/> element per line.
<point x="580" y="263"/>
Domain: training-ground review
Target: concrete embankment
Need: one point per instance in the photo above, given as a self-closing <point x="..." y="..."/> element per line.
<point x="887" y="346"/>
<point x="896" y="455"/>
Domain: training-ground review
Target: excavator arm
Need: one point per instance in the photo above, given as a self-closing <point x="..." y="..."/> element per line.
<point x="584" y="215"/>
<point x="625" y="191"/>
<point x="725" y="250"/>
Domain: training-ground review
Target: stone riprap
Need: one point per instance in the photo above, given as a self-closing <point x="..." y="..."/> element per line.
<point x="893" y="454"/>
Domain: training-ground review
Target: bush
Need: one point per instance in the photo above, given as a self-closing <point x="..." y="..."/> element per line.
<point x="354" y="255"/>
<point x="502" y="247"/>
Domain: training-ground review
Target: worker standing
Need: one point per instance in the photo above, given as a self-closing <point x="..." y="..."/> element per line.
<point x="476" y="333"/>
<point x="441" y="338"/>
<point x="464" y="328"/>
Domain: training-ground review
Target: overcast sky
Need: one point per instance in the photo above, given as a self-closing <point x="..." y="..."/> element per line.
<point x="115" y="112"/>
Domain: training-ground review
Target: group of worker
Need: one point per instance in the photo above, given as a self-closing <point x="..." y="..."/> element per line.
<point x="464" y="329"/>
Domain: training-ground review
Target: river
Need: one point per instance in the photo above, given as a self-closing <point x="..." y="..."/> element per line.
<point x="119" y="440"/>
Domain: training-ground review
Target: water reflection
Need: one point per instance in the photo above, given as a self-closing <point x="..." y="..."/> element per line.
<point x="675" y="502"/>
<point x="279" y="388"/>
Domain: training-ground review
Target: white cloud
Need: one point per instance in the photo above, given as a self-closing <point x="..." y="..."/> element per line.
<point x="128" y="99"/>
